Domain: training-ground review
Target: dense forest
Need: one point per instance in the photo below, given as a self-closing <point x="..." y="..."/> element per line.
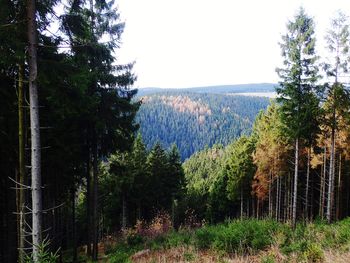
<point x="219" y="89"/>
<point x="84" y="171"/>
<point x="195" y="120"/>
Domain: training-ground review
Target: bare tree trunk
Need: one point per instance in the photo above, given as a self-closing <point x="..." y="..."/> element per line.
<point x="254" y="207"/>
<point x="248" y="208"/>
<point x="95" y="200"/>
<point x="338" y="189"/>
<point x="277" y="198"/>
<point x="323" y="197"/>
<point x="270" y="196"/>
<point x="295" y="190"/>
<point x="330" y="199"/>
<point x="35" y="131"/>
<point x="88" y="199"/>
<point x="241" y="202"/>
<point x="306" y="215"/>
<point x="21" y="163"/>
<point x="124" y="220"/>
<point x="75" y="252"/>
<point x="285" y="202"/>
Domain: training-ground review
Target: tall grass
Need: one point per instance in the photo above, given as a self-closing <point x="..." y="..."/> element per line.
<point x="249" y="237"/>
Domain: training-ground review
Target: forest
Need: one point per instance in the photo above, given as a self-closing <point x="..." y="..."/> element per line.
<point x="195" y="120"/>
<point x="85" y="177"/>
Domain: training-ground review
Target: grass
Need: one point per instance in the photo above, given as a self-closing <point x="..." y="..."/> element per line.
<point x="268" y="240"/>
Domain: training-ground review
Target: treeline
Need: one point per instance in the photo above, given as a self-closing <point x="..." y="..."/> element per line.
<point x="295" y="163"/>
<point x="193" y="120"/>
<point x="138" y="184"/>
<point x="65" y="105"/>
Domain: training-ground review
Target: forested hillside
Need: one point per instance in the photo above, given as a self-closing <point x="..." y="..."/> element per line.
<point x="219" y="89"/>
<point x="195" y="120"/>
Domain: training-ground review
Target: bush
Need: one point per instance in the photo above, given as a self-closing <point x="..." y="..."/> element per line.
<point x="314" y="253"/>
<point x="306" y="243"/>
<point x="44" y="255"/>
<point x="237" y="236"/>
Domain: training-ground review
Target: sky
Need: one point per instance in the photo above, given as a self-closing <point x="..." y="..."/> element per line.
<point x="192" y="43"/>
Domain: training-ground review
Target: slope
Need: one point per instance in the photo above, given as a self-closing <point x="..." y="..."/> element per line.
<point x="195" y="120"/>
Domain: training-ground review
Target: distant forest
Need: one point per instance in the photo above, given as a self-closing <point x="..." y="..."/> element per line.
<point x="195" y="120"/>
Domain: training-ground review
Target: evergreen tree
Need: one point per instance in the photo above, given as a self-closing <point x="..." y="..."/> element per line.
<point x="140" y="174"/>
<point x="158" y="167"/>
<point x="108" y="110"/>
<point x="240" y="170"/>
<point x="297" y="88"/>
<point x="176" y="173"/>
<point x="270" y="154"/>
<point x="337" y="103"/>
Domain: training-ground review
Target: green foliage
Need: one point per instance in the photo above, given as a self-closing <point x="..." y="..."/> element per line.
<point x="307" y="242"/>
<point x="237" y="236"/>
<point x="240" y="167"/>
<point x="139" y="176"/>
<point x="297" y="89"/>
<point x="217" y="178"/>
<point x="195" y="120"/>
<point x="121" y="254"/>
<point x="44" y="255"/>
<point x="268" y="259"/>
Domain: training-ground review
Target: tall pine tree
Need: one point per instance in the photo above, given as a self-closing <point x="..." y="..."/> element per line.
<point x="297" y="88"/>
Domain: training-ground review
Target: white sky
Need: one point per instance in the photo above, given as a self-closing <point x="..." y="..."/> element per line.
<point x="187" y="43"/>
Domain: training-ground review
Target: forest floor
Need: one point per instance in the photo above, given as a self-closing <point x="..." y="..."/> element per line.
<point x="236" y="241"/>
<point x="185" y="255"/>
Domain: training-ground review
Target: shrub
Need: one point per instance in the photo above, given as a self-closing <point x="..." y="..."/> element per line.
<point x="237" y="236"/>
<point x="160" y="225"/>
<point x="44" y="255"/>
<point x="314" y="253"/>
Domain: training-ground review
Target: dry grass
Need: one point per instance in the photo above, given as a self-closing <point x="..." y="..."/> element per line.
<point x="189" y="254"/>
<point x="336" y="256"/>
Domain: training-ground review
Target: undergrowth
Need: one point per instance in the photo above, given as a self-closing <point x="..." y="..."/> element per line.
<point x="307" y="243"/>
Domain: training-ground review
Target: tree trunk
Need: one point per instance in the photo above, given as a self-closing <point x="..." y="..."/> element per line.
<point x="330" y="199"/>
<point x="270" y="196"/>
<point x="338" y="189"/>
<point x="21" y="163"/>
<point x="324" y="182"/>
<point x="306" y="215"/>
<point x="254" y="207"/>
<point x="248" y="208"/>
<point x="124" y="219"/>
<point x="277" y="198"/>
<point x="295" y="190"/>
<point x="241" y="202"/>
<point x="285" y="201"/>
<point x="95" y="199"/>
<point x="88" y="199"/>
<point x="35" y="131"/>
<point x="75" y="252"/>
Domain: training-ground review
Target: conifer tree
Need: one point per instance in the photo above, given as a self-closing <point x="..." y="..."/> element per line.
<point x="297" y="88"/>
<point x="108" y="113"/>
<point x="337" y="102"/>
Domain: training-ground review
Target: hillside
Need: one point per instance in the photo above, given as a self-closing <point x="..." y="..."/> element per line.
<point x="218" y="89"/>
<point x="194" y="120"/>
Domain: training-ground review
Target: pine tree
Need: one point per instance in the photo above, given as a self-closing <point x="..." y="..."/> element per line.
<point x="240" y="170"/>
<point x="108" y="116"/>
<point x="297" y="88"/>
<point x="337" y="103"/>
<point x="158" y="167"/>
<point x="270" y="154"/>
